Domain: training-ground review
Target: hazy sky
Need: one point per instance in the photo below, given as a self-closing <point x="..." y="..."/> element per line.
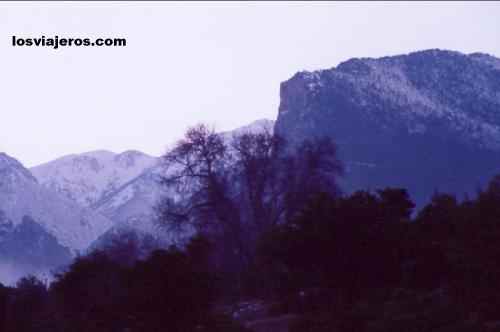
<point x="185" y="63"/>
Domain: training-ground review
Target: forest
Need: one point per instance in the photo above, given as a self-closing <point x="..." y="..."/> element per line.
<point x="271" y="226"/>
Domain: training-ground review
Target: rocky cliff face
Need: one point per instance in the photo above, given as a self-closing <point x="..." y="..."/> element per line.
<point x="425" y="121"/>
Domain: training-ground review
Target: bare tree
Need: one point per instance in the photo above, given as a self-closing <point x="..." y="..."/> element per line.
<point x="238" y="188"/>
<point x="198" y="169"/>
<point x="260" y="165"/>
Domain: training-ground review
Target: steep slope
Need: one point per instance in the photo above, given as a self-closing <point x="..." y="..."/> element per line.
<point x="426" y="121"/>
<point x="132" y="208"/>
<point x="21" y="195"/>
<point x="92" y="177"/>
<point x="133" y="204"/>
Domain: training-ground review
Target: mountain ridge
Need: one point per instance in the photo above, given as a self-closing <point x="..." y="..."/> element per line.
<point x="399" y="112"/>
<point x="89" y="177"/>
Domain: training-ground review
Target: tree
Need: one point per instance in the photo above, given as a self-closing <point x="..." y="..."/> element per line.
<point x="236" y="189"/>
<point x="26" y="304"/>
<point x="352" y="244"/>
<point x="169" y="291"/>
<point x="396" y="204"/>
<point x="195" y="168"/>
<point x="311" y="169"/>
<point x="198" y="175"/>
<point x="257" y="167"/>
<point x="4" y="298"/>
<point x="91" y="294"/>
<point x="127" y="246"/>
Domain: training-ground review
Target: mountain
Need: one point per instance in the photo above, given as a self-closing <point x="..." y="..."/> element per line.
<point x="92" y="177"/>
<point x="123" y="187"/>
<point x="425" y="121"/>
<point x="80" y="202"/>
<point x="21" y="195"/>
<point x="132" y="206"/>
<point x="39" y="229"/>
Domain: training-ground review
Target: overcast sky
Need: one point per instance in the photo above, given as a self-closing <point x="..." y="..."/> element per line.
<point x="186" y="63"/>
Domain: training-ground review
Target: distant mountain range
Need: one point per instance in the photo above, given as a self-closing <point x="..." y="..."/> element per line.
<point x="424" y="121"/>
<point x="77" y="202"/>
<point x="122" y="187"/>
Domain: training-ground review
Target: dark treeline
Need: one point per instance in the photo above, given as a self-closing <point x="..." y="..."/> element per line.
<point x="273" y="225"/>
<point x="171" y="290"/>
<point x="359" y="263"/>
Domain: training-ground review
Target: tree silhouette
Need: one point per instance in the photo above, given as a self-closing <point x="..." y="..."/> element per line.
<point x="236" y="189"/>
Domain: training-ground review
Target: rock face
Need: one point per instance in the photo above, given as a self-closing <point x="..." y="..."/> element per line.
<point x="425" y="121"/>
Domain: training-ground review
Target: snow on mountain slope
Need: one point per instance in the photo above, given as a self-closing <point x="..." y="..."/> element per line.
<point x="124" y="188"/>
<point x="255" y="127"/>
<point x="486" y="59"/>
<point x="424" y="121"/>
<point x="21" y="195"/>
<point x="133" y="204"/>
<point x="91" y="177"/>
<point x="132" y="208"/>
<point x="412" y="91"/>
